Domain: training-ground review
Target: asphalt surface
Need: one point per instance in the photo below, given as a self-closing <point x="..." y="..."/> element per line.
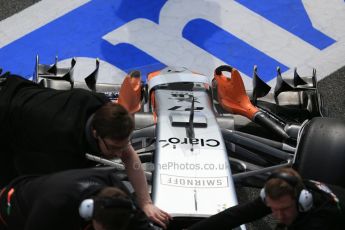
<point x="331" y="89"/>
<point x="10" y="7"/>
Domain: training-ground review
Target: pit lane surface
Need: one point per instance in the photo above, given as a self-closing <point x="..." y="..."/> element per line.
<point x="318" y="19"/>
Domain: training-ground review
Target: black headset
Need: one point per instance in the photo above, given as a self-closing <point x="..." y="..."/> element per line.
<point x="87" y="206"/>
<point x="304" y="197"/>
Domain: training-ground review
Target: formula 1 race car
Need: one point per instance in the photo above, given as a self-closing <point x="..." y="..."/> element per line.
<point x="199" y="138"/>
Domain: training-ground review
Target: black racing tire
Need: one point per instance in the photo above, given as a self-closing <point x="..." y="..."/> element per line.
<point x="321" y="151"/>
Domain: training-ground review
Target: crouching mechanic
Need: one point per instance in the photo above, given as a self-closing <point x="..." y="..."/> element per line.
<point x="294" y="203"/>
<point x="81" y="199"/>
<point x="44" y="130"/>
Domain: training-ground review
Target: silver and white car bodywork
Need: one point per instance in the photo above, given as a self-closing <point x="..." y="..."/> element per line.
<point x="192" y="174"/>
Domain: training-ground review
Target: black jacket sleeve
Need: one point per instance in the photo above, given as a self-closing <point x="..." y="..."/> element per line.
<point x="234" y="216"/>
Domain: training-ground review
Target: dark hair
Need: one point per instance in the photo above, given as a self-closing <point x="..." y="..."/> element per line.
<point x="285" y="181"/>
<point x="113" y="121"/>
<point x="113" y="209"/>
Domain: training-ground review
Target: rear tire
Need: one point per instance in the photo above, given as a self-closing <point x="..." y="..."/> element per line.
<point x="321" y="151"/>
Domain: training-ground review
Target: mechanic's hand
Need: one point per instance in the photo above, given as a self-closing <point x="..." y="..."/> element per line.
<point x="157" y="215"/>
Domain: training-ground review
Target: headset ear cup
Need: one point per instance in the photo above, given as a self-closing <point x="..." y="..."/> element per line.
<point x="86" y="208"/>
<point x="263" y="195"/>
<point x="305" y="201"/>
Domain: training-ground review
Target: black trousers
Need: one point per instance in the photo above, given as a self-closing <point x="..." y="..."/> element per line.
<point x="7" y="169"/>
<point x="2" y="82"/>
<point x="3" y="218"/>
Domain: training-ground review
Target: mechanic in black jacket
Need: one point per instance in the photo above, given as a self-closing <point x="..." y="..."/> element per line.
<point x="70" y="200"/>
<point x="44" y="130"/>
<point x="294" y="203"/>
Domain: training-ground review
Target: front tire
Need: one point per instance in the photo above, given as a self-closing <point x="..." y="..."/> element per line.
<point x="321" y="151"/>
